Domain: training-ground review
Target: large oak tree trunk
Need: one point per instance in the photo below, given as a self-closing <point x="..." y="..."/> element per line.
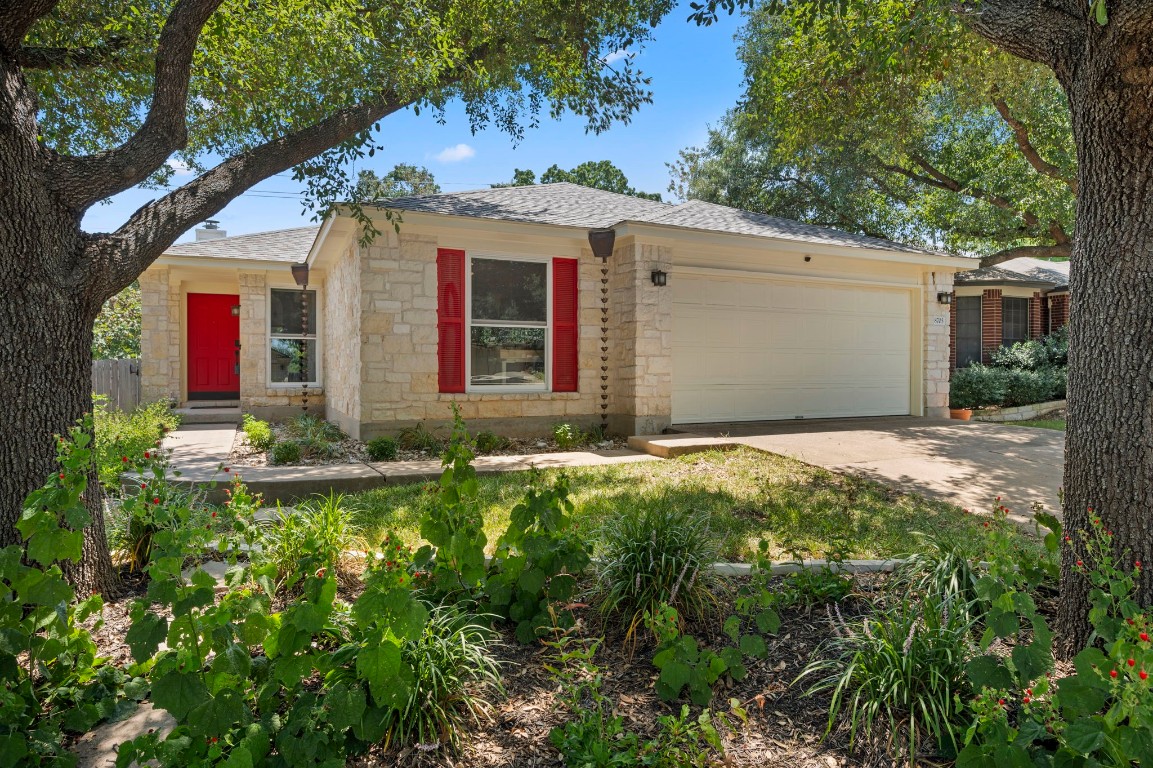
<point x="46" y="317"/>
<point x="1109" y="442"/>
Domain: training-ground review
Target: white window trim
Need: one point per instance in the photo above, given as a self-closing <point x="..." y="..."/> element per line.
<point x="508" y="389"/>
<point x="315" y="336"/>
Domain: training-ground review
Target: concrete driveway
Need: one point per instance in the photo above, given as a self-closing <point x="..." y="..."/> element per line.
<point x="967" y="463"/>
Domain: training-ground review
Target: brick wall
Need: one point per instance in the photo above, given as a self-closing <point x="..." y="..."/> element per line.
<point x="1058" y="310"/>
<point x="1036" y="316"/>
<point x="991" y="331"/>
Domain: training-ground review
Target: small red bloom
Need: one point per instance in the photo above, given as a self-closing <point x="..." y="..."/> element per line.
<point x="227" y="469"/>
<point x="124" y="459"/>
<point x="1113" y="673"/>
<point x="144" y="486"/>
<point x="61" y="475"/>
<point x="1026" y="700"/>
<point x="1131" y="663"/>
<point x="1144" y="637"/>
<point x="1029" y="691"/>
<point x="155" y="499"/>
<point x="214" y="514"/>
<point x="146" y="455"/>
<point x="1001" y="702"/>
<point x="1143" y="674"/>
<point x="1078" y="563"/>
<point x="986" y="523"/>
<point x="1137" y="565"/>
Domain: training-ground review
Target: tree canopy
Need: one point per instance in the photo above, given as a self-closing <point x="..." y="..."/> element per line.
<point x="893" y="119"/>
<point x="598" y="174"/>
<point x="403" y="180"/>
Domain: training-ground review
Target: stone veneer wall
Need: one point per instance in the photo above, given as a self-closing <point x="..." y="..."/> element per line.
<point x="936" y="357"/>
<point x="159" y="336"/>
<point x="399" y="350"/>
<point x="640" y="340"/>
<point x="342" y="349"/>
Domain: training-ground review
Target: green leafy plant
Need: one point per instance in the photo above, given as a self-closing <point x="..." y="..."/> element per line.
<point x="122" y="439"/>
<point x="453" y="525"/>
<point x="285" y="452"/>
<point x="490" y="442"/>
<point x="900" y="672"/>
<point x="258" y="433"/>
<point x="382" y="449"/>
<point x="320" y="532"/>
<point x="537" y="559"/>
<point x="418" y="438"/>
<point x="567" y="436"/>
<point x="944" y="570"/>
<point x="685" y="664"/>
<point x="661" y="555"/>
<point x="51" y="679"/>
<point x="316" y="437"/>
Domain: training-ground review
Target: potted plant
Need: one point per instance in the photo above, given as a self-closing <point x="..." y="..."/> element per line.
<point x="971" y="388"/>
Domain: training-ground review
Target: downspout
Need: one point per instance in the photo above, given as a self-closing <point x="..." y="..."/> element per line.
<point x="602" y="241"/>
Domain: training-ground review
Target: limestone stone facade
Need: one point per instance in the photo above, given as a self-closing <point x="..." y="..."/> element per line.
<point x="937" y="344"/>
<point x="160" y="334"/>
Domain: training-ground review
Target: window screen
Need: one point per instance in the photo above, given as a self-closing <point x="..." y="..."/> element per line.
<point x="968" y="309"/>
<point x="1014" y="321"/>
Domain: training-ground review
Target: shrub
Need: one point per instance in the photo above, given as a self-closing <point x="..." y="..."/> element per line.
<point x="318" y="534"/>
<point x="1034" y="354"/>
<point x="660" y="555"/>
<point x="382" y="449"/>
<point x="258" y="433"/>
<point x="944" y="571"/>
<point x="307" y="427"/>
<point x="567" y="436"/>
<point x="976" y="385"/>
<point x="418" y="438"/>
<point x="454" y="677"/>
<point x="286" y="452"/>
<point x="1028" y="387"/>
<point x="123" y="438"/>
<point x="902" y="671"/>
<point x="489" y="442"/>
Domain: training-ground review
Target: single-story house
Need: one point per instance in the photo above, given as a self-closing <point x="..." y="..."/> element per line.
<point x="1018" y="299"/>
<point x="528" y="306"/>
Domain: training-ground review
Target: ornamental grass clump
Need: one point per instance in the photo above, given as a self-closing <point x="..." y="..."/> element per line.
<point x="900" y="677"/>
<point x="319" y="533"/>
<point x="661" y="555"/>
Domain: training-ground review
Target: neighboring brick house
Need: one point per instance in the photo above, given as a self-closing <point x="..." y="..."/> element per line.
<point x="1019" y="299"/>
<point x="528" y="306"/>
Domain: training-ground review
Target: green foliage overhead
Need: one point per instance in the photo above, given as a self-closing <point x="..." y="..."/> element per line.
<point x="891" y="118"/>
<point x="403" y="180"/>
<point x="598" y="174"/>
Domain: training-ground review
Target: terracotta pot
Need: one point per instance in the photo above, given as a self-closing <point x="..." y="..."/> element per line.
<point x="964" y="414"/>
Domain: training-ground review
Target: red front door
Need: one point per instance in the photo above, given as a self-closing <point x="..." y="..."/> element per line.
<point x="213" y="347"/>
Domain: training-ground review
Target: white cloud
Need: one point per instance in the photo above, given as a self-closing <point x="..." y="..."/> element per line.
<point x="616" y="56"/>
<point x="455" y="154"/>
<point x="179" y="167"/>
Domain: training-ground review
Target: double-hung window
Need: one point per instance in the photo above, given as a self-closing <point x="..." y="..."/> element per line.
<point x="1014" y="321"/>
<point x="506" y="324"/>
<point x="292" y="337"/>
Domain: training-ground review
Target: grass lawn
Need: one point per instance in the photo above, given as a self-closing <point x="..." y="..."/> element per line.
<point x="751" y="495"/>
<point x="1042" y="423"/>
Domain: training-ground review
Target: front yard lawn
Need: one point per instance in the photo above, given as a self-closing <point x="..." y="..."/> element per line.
<point x="749" y="494"/>
<point x="1058" y="424"/>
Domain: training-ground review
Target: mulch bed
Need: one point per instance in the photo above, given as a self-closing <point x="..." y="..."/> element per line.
<point x="349" y="451"/>
<point x="785" y="728"/>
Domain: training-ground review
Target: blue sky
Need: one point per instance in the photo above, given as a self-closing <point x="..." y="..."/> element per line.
<point x="696" y="78"/>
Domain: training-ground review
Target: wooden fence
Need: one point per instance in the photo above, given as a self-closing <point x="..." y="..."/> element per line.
<point x="119" y="381"/>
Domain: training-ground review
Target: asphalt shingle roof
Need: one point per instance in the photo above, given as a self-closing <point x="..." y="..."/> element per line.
<point x="1020" y="270"/>
<point x="571" y="205"/>
<point x="286" y="245"/>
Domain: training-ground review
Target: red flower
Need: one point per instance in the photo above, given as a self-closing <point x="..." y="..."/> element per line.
<point x="1144" y="637"/>
<point x="227" y="469"/>
<point x="1026" y="699"/>
<point x="124" y="459"/>
<point x="1001" y="702"/>
<point x="1143" y="674"/>
<point x="61" y="475"/>
<point x="1113" y="673"/>
<point x="986" y="523"/>
<point x="144" y="486"/>
<point x="1078" y="563"/>
<point x="155" y="499"/>
<point x="214" y="514"/>
<point x="1131" y="663"/>
<point x="146" y="455"/>
<point x="1137" y="565"/>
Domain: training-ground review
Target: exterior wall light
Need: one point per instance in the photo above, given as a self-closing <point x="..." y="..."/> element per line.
<point x="944" y="298"/>
<point x="660" y="278"/>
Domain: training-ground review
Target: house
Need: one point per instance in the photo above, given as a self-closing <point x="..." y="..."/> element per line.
<point x="1019" y="299"/>
<point x="528" y="306"/>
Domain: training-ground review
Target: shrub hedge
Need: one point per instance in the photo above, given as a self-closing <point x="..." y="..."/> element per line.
<point x="1022" y="374"/>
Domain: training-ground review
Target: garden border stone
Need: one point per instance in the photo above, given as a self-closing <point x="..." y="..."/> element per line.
<point x="1018" y="413"/>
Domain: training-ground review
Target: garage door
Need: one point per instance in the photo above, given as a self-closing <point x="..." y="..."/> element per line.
<point x="747" y="349"/>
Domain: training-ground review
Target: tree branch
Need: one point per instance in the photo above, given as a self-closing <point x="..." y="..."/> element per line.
<point x="1061" y="251"/>
<point x="81" y="181"/>
<point x="17" y="17"/>
<point x="1045" y="31"/>
<point x="117" y="259"/>
<point x="46" y="57"/>
<point x="1021" y="134"/>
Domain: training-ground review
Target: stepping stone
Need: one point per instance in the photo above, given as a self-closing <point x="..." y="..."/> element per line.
<point x="97" y="748"/>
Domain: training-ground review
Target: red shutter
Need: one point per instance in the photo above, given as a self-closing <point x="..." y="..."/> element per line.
<point x="565" y="325"/>
<point x="450" y="319"/>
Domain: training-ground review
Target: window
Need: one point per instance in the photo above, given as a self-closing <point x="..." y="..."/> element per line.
<point x="517" y="330"/>
<point x="968" y="309"/>
<point x="508" y="323"/>
<point x="292" y="337"/>
<point x="1014" y="321"/>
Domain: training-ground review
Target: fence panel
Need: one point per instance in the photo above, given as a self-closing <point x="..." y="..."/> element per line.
<point x="119" y="381"/>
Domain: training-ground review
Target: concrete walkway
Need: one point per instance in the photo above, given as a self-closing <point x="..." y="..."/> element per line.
<point x="963" y="462"/>
<point x="199" y="450"/>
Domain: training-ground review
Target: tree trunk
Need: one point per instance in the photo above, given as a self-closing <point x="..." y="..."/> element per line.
<point x="1109" y="442"/>
<point x="47" y="308"/>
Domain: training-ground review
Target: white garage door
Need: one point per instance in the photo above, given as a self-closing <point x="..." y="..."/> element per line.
<point x="747" y="349"/>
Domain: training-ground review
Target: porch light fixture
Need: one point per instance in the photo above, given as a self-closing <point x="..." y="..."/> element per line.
<point x="660" y="278"/>
<point x="602" y="241"/>
<point x="944" y="298"/>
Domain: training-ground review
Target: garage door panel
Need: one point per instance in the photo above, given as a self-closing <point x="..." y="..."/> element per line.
<point x="751" y="349"/>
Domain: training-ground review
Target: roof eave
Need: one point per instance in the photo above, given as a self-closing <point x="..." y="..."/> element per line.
<point x="179" y="260"/>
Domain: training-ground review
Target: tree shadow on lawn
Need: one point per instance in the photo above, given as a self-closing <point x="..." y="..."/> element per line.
<point x="748" y="494"/>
